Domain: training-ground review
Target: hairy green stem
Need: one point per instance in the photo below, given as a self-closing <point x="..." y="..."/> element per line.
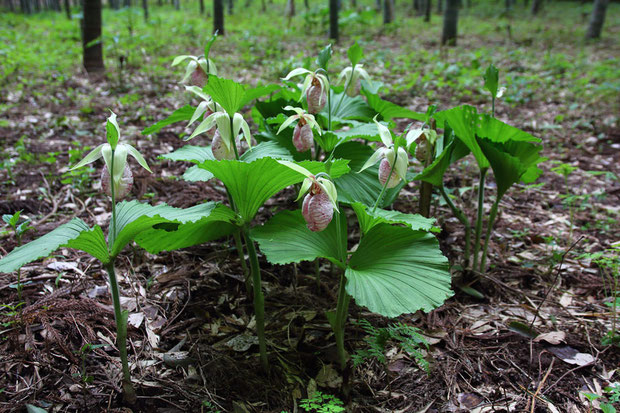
<point x="487" y="236"/>
<point x="460" y="215"/>
<point x="374" y="208"/>
<point x="259" y="299"/>
<point x="341" y="315"/>
<point x="483" y="174"/>
<point x="129" y="394"/>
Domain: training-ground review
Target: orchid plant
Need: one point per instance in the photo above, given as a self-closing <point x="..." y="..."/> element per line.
<point x="303" y="137"/>
<point x="198" y="68"/>
<point x="129" y="220"/>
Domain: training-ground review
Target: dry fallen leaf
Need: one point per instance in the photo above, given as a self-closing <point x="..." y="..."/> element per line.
<point x="553" y="337"/>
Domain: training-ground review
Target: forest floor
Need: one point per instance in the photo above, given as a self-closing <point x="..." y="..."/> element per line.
<point x="192" y="343"/>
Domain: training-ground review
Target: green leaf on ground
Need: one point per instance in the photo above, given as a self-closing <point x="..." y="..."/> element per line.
<point x="285" y="238"/>
<point x="396" y="270"/>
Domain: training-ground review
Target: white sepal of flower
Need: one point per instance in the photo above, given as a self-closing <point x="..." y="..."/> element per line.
<point x="345" y="78"/>
<point x="300" y="114"/>
<point x="388" y="152"/>
<point x="194" y="62"/>
<point x="207" y="104"/>
<point x="310" y="78"/>
<point x="415" y="135"/>
<point x="222" y="120"/>
<point x="325" y="184"/>
<point x="120" y="152"/>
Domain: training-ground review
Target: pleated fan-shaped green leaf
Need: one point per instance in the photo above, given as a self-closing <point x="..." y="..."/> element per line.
<point x="252" y="183"/>
<point x="74" y="234"/>
<point x="133" y="217"/>
<point x="396" y="270"/>
<point x="368" y="219"/>
<point x="285" y="238"/>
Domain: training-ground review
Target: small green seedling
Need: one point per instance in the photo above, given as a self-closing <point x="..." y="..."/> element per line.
<point x="408" y="338"/>
<point x="322" y="403"/>
<point x="19" y="229"/>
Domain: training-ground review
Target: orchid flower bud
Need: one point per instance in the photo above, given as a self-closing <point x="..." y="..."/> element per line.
<point x="421" y="150"/>
<point x="351" y="78"/>
<point x="317" y="210"/>
<point x="220" y="150"/>
<point x="122" y="186"/>
<point x="197" y="69"/>
<point x="199" y="77"/>
<point x="315" y="88"/>
<point x="302" y="136"/>
<point x="316" y="97"/>
<point x="114" y="154"/>
<point x="384" y="172"/>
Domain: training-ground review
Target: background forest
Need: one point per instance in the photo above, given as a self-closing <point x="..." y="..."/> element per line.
<point x="228" y="300"/>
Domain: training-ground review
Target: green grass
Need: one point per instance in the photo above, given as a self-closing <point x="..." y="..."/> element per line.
<point x="546" y="55"/>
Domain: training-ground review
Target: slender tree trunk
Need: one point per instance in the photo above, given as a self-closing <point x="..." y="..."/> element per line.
<point x="333" y="20"/>
<point x="450" y="20"/>
<point x="290" y="9"/>
<point x="11" y="7"/>
<point x="68" y="9"/>
<point x="218" y="17"/>
<point x="439" y="6"/>
<point x="388" y="11"/>
<point x="145" y="7"/>
<point x="91" y="37"/>
<point x="202" y="6"/>
<point x="230" y="7"/>
<point x="427" y="12"/>
<point x="306" y="4"/>
<point x="536" y="6"/>
<point x="160" y="3"/>
<point x="597" y="19"/>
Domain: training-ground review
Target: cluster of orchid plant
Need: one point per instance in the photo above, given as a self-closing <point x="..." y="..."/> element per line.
<point x="396" y="266"/>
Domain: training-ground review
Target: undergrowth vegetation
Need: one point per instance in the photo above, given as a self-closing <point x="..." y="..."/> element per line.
<point x="383" y="172"/>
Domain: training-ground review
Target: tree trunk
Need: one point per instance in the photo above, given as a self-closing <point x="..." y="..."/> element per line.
<point x="597" y="19"/>
<point x="202" y="6"/>
<point x="145" y="7"/>
<point x="290" y="9"/>
<point x="218" y="17"/>
<point x="68" y="9"/>
<point x="11" y="7"/>
<point x="536" y="6"/>
<point x="230" y="7"/>
<point x="439" y="6"/>
<point x="333" y="20"/>
<point x="427" y="11"/>
<point x="450" y="20"/>
<point x="388" y="12"/>
<point x="91" y="37"/>
<point x="177" y="5"/>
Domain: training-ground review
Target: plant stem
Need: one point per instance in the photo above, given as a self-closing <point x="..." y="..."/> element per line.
<point x="487" y="236"/>
<point x="483" y="174"/>
<point x="259" y="299"/>
<point x="374" y="208"/>
<point x="129" y="394"/>
<point x="493" y="106"/>
<point x="460" y="215"/>
<point x="239" y="246"/>
<point x="341" y="315"/>
<point x="234" y="139"/>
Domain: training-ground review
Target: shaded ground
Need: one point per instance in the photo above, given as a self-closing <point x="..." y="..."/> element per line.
<point x="194" y="302"/>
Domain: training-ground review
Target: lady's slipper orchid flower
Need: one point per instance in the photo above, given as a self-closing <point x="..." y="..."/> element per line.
<point x="302" y="135"/>
<point x="315" y="88"/>
<point x="424" y="139"/>
<point x="392" y="159"/>
<point x="198" y="69"/>
<point x="114" y="155"/>
<point x="321" y="199"/>
<point x="228" y="137"/>
<point x="352" y="82"/>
